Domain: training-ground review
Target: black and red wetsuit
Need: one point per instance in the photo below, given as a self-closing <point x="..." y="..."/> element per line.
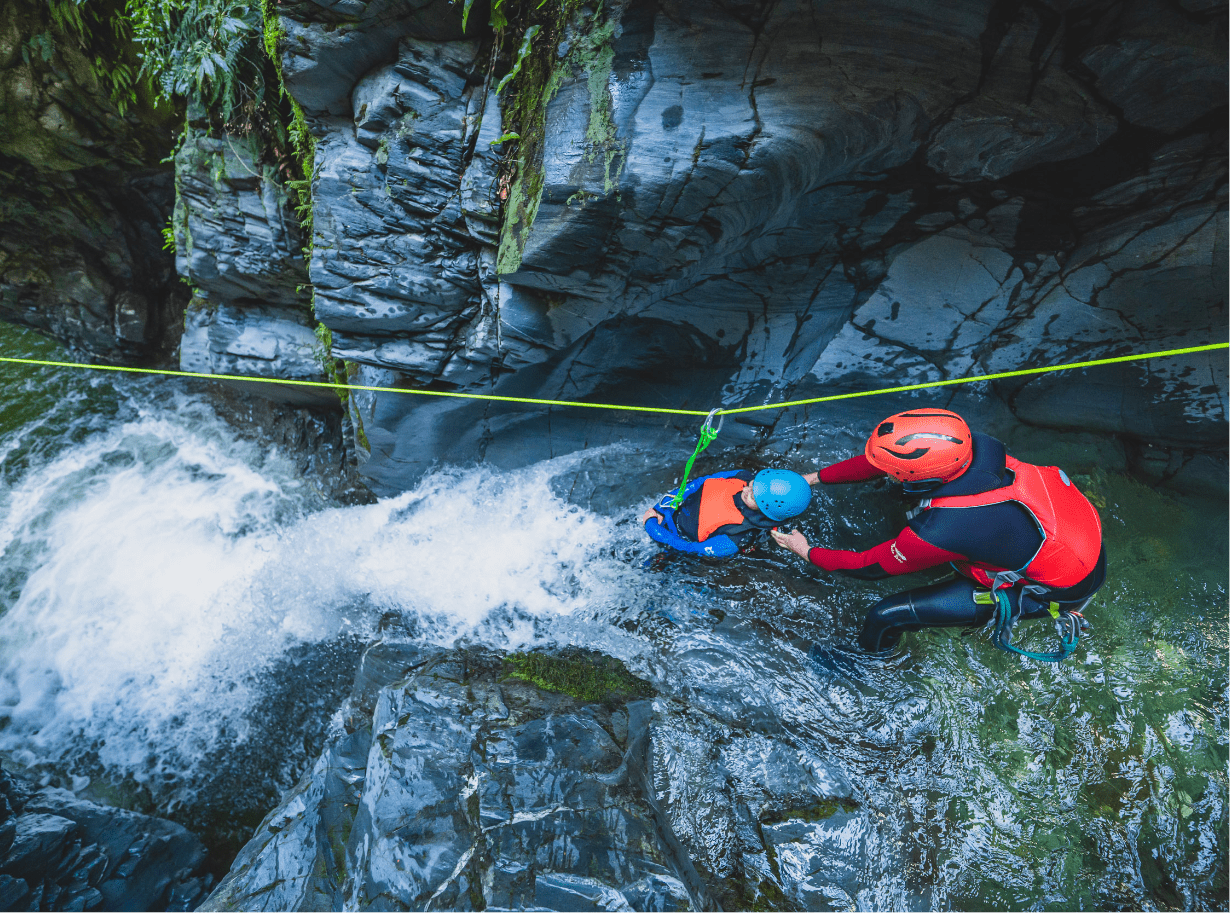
<point x="993" y="536"/>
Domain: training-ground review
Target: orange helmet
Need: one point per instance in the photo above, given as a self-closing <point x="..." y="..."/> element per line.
<point x="922" y="445"/>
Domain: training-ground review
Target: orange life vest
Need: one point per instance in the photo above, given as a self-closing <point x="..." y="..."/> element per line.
<point x="717" y="507"/>
<point x="1071" y="528"/>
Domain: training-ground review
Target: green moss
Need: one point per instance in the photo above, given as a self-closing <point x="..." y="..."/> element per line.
<point x="294" y="124"/>
<point x="582" y="674"/>
<point x="820" y="810"/>
<point x="272" y="32"/>
<point x="537" y="85"/>
<point x="593" y="55"/>
<point x="590" y="57"/>
<point x="338" y="838"/>
<point x="334" y="368"/>
<point x="769" y="896"/>
<point x="477" y="901"/>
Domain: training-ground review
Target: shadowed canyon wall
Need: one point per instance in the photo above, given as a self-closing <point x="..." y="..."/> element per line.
<point x="686" y="205"/>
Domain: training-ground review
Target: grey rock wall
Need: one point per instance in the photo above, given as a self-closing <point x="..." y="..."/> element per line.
<point x="712" y="205"/>
<point x="237" y="236"/>
<point x="395" y="272"/>
<point x="741" y="204"/>
<point x="239" y="243"/>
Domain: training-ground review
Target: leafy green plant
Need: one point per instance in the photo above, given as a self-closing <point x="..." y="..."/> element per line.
<point x="41" y="46"/>
<point x="527" y="43"/>
<point x="103" y="36"/>
<point x="207" y="51"/>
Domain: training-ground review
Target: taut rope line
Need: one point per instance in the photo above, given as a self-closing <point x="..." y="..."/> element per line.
<point x="1024" y="372"/>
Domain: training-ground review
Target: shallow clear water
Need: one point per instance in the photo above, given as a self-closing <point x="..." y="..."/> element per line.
<point x="180" y="615"/>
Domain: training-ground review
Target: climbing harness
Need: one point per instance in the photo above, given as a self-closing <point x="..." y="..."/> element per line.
<point x="1068" y="625"/>
<point x="707" y="435"/>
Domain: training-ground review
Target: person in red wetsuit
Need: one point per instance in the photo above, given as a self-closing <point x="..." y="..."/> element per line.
<point x="1002" y="523"/>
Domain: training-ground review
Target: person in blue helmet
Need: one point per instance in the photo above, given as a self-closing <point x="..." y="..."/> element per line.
<point x="727" y="512"/>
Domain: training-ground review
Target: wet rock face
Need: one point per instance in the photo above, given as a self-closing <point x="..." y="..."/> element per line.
<point x="238" y="238"/>
<point x="456" y="786"/>
<point x="84" y="199"/>
<point x="745" y="204"/>
<point x="238" y="241"/>
<point x="398" y="280"/>
<point x="58" y="852"/>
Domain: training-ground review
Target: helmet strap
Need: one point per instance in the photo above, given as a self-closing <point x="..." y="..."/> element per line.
<point x="921" y="487"/>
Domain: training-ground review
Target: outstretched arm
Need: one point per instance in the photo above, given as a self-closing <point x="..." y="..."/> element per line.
<point x="904" y="554"/>
<point x="856" y="469"/>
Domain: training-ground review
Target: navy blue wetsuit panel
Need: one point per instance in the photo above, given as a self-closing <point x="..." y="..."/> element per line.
<point x="1004" y="535"/>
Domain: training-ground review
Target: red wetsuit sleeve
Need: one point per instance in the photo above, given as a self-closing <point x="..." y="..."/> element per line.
<point x="856" y="469"/>
<point x="903" y="555"/>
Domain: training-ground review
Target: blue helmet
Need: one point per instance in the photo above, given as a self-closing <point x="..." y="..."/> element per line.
<point x="780" y="494"/>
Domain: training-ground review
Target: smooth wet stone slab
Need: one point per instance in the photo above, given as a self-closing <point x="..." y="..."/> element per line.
<point x="458" y="788"/>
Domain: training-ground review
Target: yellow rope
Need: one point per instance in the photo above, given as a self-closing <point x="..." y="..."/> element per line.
<point x="555" y="402"/>
<point x="971" y="380"/>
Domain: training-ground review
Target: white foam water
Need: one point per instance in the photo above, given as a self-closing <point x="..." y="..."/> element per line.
<point x="162" y="563"/>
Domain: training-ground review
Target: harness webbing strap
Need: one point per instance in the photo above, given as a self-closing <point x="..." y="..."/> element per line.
<point x="1067" y="626"/>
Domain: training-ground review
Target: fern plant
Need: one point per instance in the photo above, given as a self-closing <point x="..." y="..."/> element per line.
<point x="208" y="51"/>
<point x="105" y="39"/>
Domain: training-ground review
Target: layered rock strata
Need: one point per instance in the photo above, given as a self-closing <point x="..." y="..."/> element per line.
<point x="728" y="206"/>
<point x="678" y="205"/>
<point x="238" y="242"/>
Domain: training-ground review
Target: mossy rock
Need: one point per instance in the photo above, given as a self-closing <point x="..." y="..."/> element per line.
<point x="820" y="810"/>
<point x="583" y="674"/>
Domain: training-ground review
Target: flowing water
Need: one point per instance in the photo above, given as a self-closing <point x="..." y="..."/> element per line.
<point x="180" y="614"/>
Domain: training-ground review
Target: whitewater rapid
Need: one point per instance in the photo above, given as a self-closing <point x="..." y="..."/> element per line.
<point x="161" y="563"/>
